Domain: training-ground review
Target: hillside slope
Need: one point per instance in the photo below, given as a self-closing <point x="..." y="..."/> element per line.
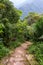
<point x="35" y="6"/>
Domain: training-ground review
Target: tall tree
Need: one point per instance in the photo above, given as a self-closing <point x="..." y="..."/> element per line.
<point x="9" y="15"/>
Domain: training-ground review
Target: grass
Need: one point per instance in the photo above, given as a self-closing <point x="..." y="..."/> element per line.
<point x="15" y="44"/>
<point x="3" y="51"/>
<point x="37" y="50"/>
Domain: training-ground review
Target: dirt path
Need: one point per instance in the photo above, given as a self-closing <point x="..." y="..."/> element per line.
<point x="20" y="56"/>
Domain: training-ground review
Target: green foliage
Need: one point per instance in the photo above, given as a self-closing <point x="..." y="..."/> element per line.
<point x="35" y="32"/>
<point x="15" y="44"/>
<point x="39" y="27"/>
<point x="21" y="31"/>
<point x="9" y="15"/>
<point x="32" y="18"/>
<point x="3" y="51"/>
<point x="36" y="29"/>
<point x="1" y="28"/>
<point x="37" y="50"/>
<point x="13" y="31"/>
<point x="13" y="14"/>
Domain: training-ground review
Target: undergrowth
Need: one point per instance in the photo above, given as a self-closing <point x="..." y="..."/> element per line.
<point x="37" y="50"/>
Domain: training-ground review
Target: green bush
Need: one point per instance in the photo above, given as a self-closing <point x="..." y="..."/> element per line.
<point x="3" y="51"/>
<point x="36" y="29"/>
<point x="15" y="44"/>
<point x="20" y="30"/>
<point x="37" y="50"/>
<point x="39" y="28"/>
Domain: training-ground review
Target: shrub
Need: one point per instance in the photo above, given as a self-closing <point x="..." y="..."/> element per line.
<point x="37" y="50"/>
<point x="21" y="31"/>
<point x="36" y="29"/>
<point x="14" y="44"/>
<point x="3" y="50"/>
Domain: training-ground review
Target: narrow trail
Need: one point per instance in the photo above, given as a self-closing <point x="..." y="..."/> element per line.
<point x="20" y="56"/>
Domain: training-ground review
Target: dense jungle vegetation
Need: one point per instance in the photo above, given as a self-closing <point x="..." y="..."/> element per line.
<point x="14" y="31"/>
